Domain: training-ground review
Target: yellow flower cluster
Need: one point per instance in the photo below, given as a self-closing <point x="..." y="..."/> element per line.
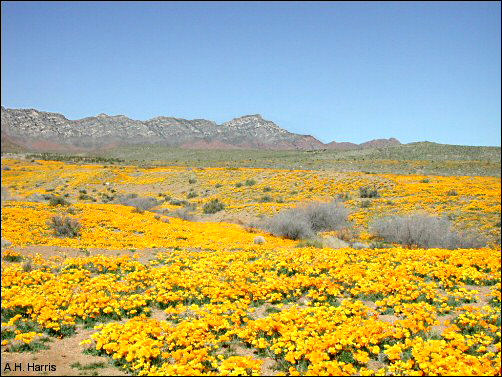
<point x="470" y="201"/>
<point x="28" y="337"/>
<point x="331" y="311"/>
<point x="212" y="302"/>
<point x="112" y="226"/>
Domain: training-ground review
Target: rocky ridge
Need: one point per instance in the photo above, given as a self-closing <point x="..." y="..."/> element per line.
<point x="39" y="130"/>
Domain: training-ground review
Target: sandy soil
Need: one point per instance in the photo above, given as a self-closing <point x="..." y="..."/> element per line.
<point x="62" y="354"/>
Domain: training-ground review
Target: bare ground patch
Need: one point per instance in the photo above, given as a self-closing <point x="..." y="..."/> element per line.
<point x="63" y="353"/>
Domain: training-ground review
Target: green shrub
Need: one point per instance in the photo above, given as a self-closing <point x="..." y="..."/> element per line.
<point x="192" y="180"/>
<point x="250" y="182"/>
<point x="192" y="194"/>
<point x="452" y="193"/>
<point x="267" y="189"/>
<point x="266" y="199"/>
<point x="176" y="202"/>
<point x="12" y="258"/>
<point x="238" y="184"/>
<point x="86" y="197"/>
<point x="213" y="206"/>
<point x="58" y="200"/>
<point x="365" y="203"/>
<point x="65" y="226"/>
<point x="165" y="197"/>
<point x="106" y="198"/>
<point x="368" y="192"/>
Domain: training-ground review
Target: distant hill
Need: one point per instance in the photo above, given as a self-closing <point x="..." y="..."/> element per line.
<point x="33" y="130"/>
<point x="377" y="143"/>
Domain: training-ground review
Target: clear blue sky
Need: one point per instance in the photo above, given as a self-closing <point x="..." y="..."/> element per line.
<point x="338" y="71"/>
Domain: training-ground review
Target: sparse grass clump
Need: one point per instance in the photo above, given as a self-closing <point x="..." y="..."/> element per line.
<point x="311" y="242"/>
<point x="192" y="194"/>
<point x="343" y="196"/>
<point x="72" y="210"/>
<point x="140" y="204"/>
<point x="27" y="266"/>
<point x="379" y="245"/>
<point x="64" y="226"/>
<point x="5" y="194"/>
<point x="183" y="214"/>
<point x="424" y="231"/>
<point x="304" y="222"/>
<point x="213" y="206"/>
<point x="91" y="366"/>
<point x="365" y="203"/>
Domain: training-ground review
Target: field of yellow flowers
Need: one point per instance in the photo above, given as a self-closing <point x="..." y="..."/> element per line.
<point x="165" y="296"/>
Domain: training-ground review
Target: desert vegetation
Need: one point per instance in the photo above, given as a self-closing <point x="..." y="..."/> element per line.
<point x="424" y="231"/>
<point x="305" y="221"/>
<point x="65" y="226"/>
<point x="174" y="270"/>
<point x="414" y="158"/>
<point x="140" y="204"/>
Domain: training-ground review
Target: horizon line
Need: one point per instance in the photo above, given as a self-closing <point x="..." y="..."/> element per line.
<point x="243" y="116"/>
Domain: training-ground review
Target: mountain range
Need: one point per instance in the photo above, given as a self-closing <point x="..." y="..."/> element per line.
<point x="39" y="130"/>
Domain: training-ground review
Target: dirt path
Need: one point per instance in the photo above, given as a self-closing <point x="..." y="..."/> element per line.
<point x="62" y="354"/>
